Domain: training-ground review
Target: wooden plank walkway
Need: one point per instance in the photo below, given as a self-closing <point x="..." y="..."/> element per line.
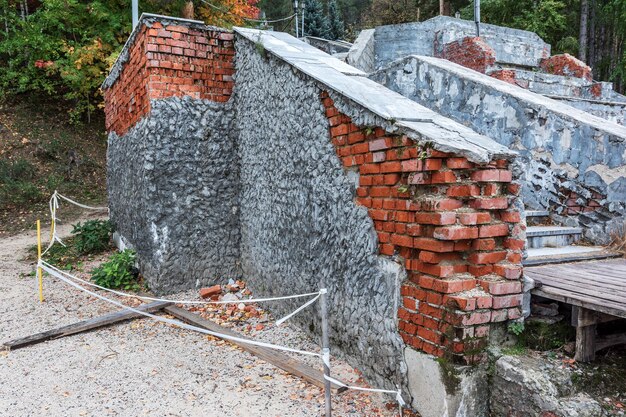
<point x="598" y="286"/>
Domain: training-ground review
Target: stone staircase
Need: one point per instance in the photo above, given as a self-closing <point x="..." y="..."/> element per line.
<point x="550" y="244"/>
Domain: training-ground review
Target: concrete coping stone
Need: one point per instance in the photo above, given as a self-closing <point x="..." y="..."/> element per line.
<point x="147" y="19"/>
<point x="555" y="106"/>
<point x="409" y="117"/>
<point x="449" y="22"/>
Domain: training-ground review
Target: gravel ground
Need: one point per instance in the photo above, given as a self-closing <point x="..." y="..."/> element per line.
<point x="143" y="367"/>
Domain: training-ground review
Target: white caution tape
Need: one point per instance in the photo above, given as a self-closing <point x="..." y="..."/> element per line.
<point x="326" y="361"/>
<point x="174" y="322"/>
<point x="249" y="300"/>
<point x="299" y="309"/>
<point x="54" y="206"/>
<point x="69" y="200"/>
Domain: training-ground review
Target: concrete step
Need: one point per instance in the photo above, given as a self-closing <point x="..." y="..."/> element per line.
<point x="552" y="236"/>
<point x="571" y="253"/>
<point x="537" y="217"/>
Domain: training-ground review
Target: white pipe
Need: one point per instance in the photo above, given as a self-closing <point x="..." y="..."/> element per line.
<point x="135" y="7"/>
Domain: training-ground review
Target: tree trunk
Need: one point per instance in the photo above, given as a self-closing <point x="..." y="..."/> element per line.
<point x="582" y="37"/>
<point x="442" y="7"/>
<point x="592" y="41"/>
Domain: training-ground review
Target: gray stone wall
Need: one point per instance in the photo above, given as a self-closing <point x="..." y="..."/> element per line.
<point x="563" y="149"/>
<point x="300" y="226"/>
<point x="173" y="193"/>
<point x="512" y="46"/>
<point x="362" y="55"/>
<point x="611" y="111"/>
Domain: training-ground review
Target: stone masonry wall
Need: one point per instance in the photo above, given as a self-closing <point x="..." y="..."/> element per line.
<point x="172" y="182"/>
<point x="294" y="186"/>
<point x="300" y="227"/>
<point x="167" y="59"/>
<point x="564" y="150"/>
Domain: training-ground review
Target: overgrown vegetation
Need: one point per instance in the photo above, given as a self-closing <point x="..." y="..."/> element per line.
<point x="537" y="335"/>
<point x="118" y="272"/>
<point x="92" y="237"/>
<point x="16" y="187"/>
<point x="41" y="152"/>
<point x="63" y="48"/>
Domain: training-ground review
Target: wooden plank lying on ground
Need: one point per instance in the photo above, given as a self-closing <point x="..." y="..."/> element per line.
<point x="276" y="358"/>
<point x="84" y="326"/>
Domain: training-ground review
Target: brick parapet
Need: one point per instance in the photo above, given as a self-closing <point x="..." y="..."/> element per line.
<point x="165" y="60"/>
<point x="471" y="52"/>
<point x="453" y="224"/>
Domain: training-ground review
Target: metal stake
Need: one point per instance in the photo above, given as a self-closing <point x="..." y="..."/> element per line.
<point x="477" y="16"/>
<point x="135" y="8"/>
<point x="39" y="272"/>
<point x="295" y="10"/>
<point x="326" y="353"/>
<point x="302" y="28"/>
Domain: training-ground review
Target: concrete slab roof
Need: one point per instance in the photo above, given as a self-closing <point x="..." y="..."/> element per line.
<point x="555" y="106"/>
<point x="408" y="116"/>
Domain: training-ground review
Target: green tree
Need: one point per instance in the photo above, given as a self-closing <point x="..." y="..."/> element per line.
<point x="316" y="22"/>
<point x="336" y="20"/>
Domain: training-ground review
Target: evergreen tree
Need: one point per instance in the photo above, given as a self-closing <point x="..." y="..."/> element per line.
<point x="336" y="21"/>
<point x="315" y="21"/>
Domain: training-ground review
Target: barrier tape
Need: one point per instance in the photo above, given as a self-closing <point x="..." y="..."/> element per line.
<point x="250" y="300"/>
<point x="142" y="297"/>
<point x="59" y="274"/>
<point x="398" y="392"/>
<point x="69" y="200"/>
<point x="177" y="323"/>
<point x="54" y="206"/>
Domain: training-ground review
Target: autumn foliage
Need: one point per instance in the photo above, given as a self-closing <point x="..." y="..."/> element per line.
<point x="228" y="13"/>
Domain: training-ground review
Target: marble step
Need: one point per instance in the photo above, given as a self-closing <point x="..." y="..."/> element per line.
<point x="570" y="253"/>
<point x="537" y="217"/>
<point x="552" y="236"/>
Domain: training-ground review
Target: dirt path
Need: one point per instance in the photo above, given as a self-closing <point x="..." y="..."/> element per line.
<point x="140" y="368"/>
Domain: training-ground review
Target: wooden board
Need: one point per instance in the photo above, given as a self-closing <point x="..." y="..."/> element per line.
<point x="598" y="285"/>
<point x="84" y="326"/>
<point x="276" y="358"/>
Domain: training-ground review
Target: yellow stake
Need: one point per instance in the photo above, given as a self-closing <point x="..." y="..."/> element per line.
<point x="39" y="272"/>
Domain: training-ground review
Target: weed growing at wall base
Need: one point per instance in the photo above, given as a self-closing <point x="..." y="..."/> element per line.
<point x="118" y="272"/>
<point x="92" y="237"/>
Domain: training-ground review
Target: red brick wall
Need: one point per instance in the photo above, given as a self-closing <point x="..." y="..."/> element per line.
<point x="573" y="203"/>
<point x="448" y="219"/>
<point x="170" y="61"/>
<point x="565" y="64"/>
<point x="471" y="52"/>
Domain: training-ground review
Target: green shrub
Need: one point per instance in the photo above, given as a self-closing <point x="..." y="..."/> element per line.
<point x="92" y="237"/>
<point x="119" y="272"/>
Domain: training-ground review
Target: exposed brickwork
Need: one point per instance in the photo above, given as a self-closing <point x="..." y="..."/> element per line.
<point x="170" y="61"/>
<point x="573" y="203"/>
<point x="449" y="220"/>
<point x="565" y="64"/>
<point x="596" y="90"/>
<point x="510" y="76"/>
<point x="471" y="52"/>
